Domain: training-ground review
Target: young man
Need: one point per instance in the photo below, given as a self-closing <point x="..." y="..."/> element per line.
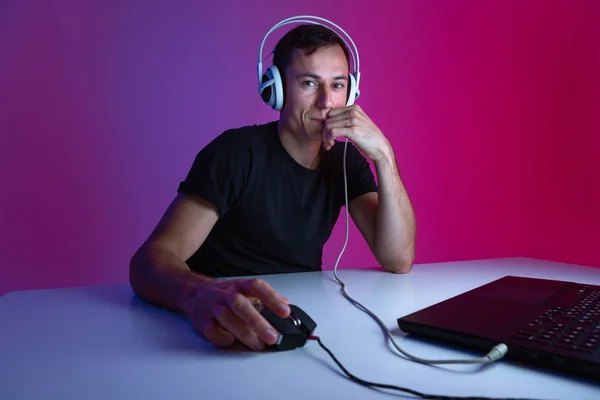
<point x="263" y="199"/>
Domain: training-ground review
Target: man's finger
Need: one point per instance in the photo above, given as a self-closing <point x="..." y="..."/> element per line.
<point x="338" y="111"/>
<point x="269" y="297"/>
<point x="336" y="132"/>
<point x="217" y="335"/>
<point x="254" y="300"/>
<point x="339" y="122"/>
<point x="248" y="313"/>
<point x="239" y="328"/>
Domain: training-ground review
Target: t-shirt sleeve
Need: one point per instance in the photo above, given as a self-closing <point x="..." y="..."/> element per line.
<point x="219" y="171"/>
<point x="360" y="176"/>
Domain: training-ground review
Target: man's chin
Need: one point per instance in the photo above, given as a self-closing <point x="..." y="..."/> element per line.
<point x="314" y="133"/>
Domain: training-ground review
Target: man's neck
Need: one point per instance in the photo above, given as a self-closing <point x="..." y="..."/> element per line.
<point x="304" y="152"/>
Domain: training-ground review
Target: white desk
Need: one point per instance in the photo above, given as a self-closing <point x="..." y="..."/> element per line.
<point x="104" y="343"/>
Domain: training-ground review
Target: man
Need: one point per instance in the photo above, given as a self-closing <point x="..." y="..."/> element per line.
<point x="263" y="199"/>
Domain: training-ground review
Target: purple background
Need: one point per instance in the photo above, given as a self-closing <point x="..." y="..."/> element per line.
<point x="492" y="108"/>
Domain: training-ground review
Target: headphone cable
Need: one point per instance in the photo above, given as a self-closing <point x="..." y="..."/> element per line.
<point x="497" y="351"/>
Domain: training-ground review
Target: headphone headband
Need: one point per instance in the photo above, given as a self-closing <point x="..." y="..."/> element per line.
<point x="270" y="83"/>
<point x="309" y="19"/>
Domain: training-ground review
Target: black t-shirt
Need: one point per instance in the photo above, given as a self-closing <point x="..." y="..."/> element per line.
<point x="275" y="214"/>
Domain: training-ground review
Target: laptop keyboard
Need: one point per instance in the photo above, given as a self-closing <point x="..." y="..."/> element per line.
<point x="573" y="326"/>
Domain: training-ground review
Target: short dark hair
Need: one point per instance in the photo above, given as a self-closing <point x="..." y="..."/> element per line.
<point x="309" y="38"/>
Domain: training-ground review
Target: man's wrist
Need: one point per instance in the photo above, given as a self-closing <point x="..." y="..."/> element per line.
<point x="193" y="283"/>
<point x="386" y="157"/>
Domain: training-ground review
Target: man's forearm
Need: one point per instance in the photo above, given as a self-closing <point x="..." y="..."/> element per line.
<point x="394" y="240"/>
<point x="161" y="278"/>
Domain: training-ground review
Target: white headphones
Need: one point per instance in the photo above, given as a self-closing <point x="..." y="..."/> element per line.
<point x="270" y="85"/>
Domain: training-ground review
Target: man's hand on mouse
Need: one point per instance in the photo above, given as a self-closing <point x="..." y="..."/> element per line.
<point x="224" y="312"/>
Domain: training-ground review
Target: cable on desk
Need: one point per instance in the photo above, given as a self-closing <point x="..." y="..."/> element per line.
<point x="497" y="351"/>
<point x="398" y="388"/>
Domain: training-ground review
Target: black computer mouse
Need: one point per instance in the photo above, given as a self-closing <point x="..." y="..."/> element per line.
<point x="293" y="330"/>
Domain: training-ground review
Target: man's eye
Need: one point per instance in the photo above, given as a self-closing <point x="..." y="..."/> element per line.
<point x="339" y="85"/>
<point x="308" y="83"/>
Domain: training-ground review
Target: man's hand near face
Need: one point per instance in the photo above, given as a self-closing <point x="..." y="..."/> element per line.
<point x="353" y="123"/>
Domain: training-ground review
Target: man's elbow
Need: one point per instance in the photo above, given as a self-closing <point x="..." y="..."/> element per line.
<point x="136" y="271"/>
<point x="401" y="268"/>
<point x="402" y="265"/>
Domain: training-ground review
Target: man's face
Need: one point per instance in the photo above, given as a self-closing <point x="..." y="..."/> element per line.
<point x="314" y="85"/>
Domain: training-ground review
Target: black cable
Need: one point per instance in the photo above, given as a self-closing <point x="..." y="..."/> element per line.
<point x="393" y="387"/>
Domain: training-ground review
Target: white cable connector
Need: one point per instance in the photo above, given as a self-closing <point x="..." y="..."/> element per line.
<point x="497" y="352"/>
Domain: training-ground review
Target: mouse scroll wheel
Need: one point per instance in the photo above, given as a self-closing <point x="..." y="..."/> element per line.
<point x="297" y="322"/>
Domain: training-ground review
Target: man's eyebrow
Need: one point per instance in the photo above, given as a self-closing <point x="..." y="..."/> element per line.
<point x="317" y="77"/>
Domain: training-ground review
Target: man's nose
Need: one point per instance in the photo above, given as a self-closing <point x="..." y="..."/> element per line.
<point x="325" y="98"/>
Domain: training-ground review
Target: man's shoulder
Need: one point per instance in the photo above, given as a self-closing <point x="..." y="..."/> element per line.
<point x="240" y="141"/>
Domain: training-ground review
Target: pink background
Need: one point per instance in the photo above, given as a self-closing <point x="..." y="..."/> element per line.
<point x="493" y="109"/>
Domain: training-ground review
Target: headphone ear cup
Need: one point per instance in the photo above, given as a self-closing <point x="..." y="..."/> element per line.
<point x="272" y="94"/>
<point x="353" y="91"/>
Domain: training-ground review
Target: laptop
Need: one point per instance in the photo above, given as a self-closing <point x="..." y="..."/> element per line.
<point x="550" y="324"/>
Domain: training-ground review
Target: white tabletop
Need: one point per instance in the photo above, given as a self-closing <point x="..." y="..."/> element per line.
<point x="105" y="343"/>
